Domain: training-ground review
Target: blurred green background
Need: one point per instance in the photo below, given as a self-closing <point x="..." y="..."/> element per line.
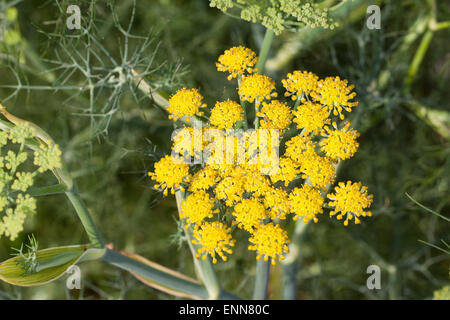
<point x="111" y="134"/>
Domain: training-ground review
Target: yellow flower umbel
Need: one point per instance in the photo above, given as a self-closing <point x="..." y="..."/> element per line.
<point x="350" y="200"/>
<point x="47" y="157"/>
<point x="299" y="83"/>
<point x="277" y="201"/>
<point x="183" y="142"/>
<point x="204" y="179"/>
<point x="249" y="214"/>
<point x="273" y="171"/>
<point x="197" y="207"/>
<point x="275" y="115"/>
<point x="170" y="174"/>
<point x="269" y="241"/>
<point x="185" y="103"/>
<point x="306" y="202"/>
<point x="299" y="149"/>
<point x="311" y="117"/>
<point x="15" y="202"/>
<point x="237" y="61"/>
<point x="213" y="238"/>
<point x="340" y="144"/>
<point x="318" y="170"/>
<point x="255" y="182"/>
<point x="287" y="172"/>
<point x="225" y="114"/>
<point x="257" y="87"/>
<point x="336" y="94"/>
<point x="230" y="190"/>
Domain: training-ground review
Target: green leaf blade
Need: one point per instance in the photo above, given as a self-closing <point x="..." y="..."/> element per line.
<point x="53" y="263"/>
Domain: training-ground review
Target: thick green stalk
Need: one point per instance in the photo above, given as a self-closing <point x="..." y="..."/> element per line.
<point x="418" y="58"/>
<point x="83" y="213"/>
<point x="204" y="268"/>
<point x="167" y="280"/>
<point x="264" y="52"/>
<point x="161" y="278"/>
<point x="262" y="267"/>
<point x="291" y="263"/>
<point x="243" y="104"/>
<point x="47" y="190"/>
<point x="261" y="279"/>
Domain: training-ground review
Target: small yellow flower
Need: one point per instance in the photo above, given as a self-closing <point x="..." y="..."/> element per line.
<point x="275" y="115"/>
<point x="262" y="150"/>
<point x="183" y="142"/>
<point x="20" y="132"/>
<point x="269" y="241"/>
<point x="340" y="144"/>
<point x="299" y="148"/>
<point x="300" y="83"/>
<point x="306" y="202"/>
<point x="225" y="114"/>
<point x="197" y="207"/>
<point x="254" y="181"/>
<point x="287" y="172"/>
<point x="319" y="170"/>
<point x="257" y="87"/>
<point x="249" y="214"/>
<point x="230" y="189"/>
<point x="213" y="238"/>
<point x="185" y="103"/>
<point x="12" y="224"/>
<point x="237" y="61"/>
<point x="170" y="174"/>
<point x="47" y="157"/>
<point x="336" y="94"/>
<point x="311" y="117"/>
<point x="23" y="182"/>
<point x="277" y="201"/>
<point x="204" y="179"/>
<point x="350" y="200"/>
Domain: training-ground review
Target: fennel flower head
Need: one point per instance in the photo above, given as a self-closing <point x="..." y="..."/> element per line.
<point x="279" y="15"/>
<point x="17" y="176"/>
<point x="255" y="164"/>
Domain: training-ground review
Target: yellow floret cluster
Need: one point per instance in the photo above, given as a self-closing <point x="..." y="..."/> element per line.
<point x="237" y="61"/>
<point x="279" y="159"/>
<point x="16" y="179"/>
<point x="225" y="114"/>
<point x="185" y="103"/>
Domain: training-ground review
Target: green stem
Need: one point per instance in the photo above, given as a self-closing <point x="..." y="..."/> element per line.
<point x="264" y="52"/>
<point x="261" y="279"/>
<point x="243" y="104"/>
<point x="256" y="121"/>
<point x="85" y="218"/>
<point x="204" y="268"/>
<point x="291" y="263"/>
<point x="262" y="267"/>
<point x="299" y="99"/>
<point x="418" y="58"/>
<point x="48" y="190"/>
<point x="441" y="26"/>
<point x="165" y="279"/>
